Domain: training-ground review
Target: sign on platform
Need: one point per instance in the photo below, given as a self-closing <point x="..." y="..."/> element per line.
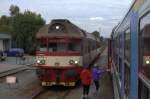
<point x="11" y="79"/>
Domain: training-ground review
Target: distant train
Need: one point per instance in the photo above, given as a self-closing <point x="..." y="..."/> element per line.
<point x="129" y="53"/>
<point x="63" y="50"/>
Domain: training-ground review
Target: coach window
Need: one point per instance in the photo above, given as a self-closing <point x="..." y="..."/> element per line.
<point x="57" y="47"/>
<point x="74" y="46"/>
<point x="61" y="47"/>
<point x="127" y="45"/>
<point x="52" y="47"/>
<point x="41" y="46"/>
<point x="145" y="37"/>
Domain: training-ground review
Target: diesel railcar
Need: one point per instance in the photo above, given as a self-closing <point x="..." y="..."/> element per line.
<point x="63" y="50"/>
<point x="130" y="53"/>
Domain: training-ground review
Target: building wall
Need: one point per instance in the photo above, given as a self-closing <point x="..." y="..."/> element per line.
<point x="1" y="45"/>
<point x="6" y="44"/>
<point x="5" y="41"/>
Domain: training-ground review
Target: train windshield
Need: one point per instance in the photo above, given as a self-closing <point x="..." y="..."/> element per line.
<point x="74" y="47"/>
<point x="57" y="47"/>
<point x="63" y="47"/>
<point x="42" y="47"/>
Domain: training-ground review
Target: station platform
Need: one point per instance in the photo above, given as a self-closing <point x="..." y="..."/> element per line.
<point x="28" y="86"/>
<point x="106" y="85"/>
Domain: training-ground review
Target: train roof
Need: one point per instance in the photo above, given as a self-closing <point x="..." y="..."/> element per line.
<point x="60" y="27"/>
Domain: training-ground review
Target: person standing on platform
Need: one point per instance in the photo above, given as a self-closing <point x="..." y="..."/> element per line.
<point x="86" y="80"/>
<point x="96" y="75"/>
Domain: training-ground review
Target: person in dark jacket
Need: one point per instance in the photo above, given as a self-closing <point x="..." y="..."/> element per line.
<point x="96" y="75"/>
<point x="86" y="79"/>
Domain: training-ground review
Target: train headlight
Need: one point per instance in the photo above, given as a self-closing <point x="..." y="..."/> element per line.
<point x="71" y="62"/>
<point x="76" y="62"/>
<point x="57" y="27"/>
<point x="147" y="62"/>
<point x="41" y="62"/>
<point x="38" y="61"/>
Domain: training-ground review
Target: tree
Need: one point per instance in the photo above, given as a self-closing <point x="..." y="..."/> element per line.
<point x="25" y="27"/>
<point x="96" y="33"/>
<point x="14" y="10"/>
<point x="101" y="38"/>
<point x="5" y="25"/>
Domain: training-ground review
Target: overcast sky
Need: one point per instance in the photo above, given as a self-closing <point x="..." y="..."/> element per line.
<point x="91" y="15"/>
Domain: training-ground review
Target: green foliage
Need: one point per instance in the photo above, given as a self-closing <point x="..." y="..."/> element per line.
<point x="14" y="10"/>
<point x="23" y="27"/>
<point x="5" y="25"/>
<point x="96" y="33"/>
<point x="6" y="29"/>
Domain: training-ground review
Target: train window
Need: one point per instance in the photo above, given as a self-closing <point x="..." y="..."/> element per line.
<point x="146" y="44"/>
<point x="61" y="47"/>
<point x="74" y="47"/>
<point x="57" y="47"/>
<point x="127" y="45"/>
<point x="42" y="47"/>
<point x="127" y="82"/>
<point x="144" y="39"/>
<point x="120" y="67"/>
<point x="52" y="47"/>
<point x="144" y="21"/>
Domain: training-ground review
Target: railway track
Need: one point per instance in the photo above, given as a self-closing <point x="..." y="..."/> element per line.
<point x="27" y="83"/>
<point x="100" y="52"/>
<point x="50" y="94"/>
<point x="62" y="94"/>
<point x="38" y="93"/>
<point x="15" y="70"/>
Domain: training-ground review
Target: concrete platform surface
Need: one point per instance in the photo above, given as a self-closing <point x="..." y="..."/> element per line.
<point x="106" y="87"/>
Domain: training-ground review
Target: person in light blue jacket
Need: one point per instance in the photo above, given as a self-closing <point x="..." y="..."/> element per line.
<point x="96" y="75"/>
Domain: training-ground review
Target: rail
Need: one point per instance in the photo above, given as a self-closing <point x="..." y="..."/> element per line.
<point x="15" y="70"/>
<point x="145" y="80"/>
<point x="41" y="92"/>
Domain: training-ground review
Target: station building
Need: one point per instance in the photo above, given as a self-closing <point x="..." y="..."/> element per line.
<point x="5" y="42"/>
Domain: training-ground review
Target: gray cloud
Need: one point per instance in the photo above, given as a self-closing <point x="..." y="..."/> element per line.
<point x="88" y="14"/>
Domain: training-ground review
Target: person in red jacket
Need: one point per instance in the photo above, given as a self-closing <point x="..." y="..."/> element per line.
<point x="86" y="79"/>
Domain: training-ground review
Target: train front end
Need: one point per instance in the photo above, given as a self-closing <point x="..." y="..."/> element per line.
<point x="59" y="61"/>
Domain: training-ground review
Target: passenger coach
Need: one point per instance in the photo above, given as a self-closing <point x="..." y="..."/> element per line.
<point x="63" y="50"/>
<point x="130" y="53"/>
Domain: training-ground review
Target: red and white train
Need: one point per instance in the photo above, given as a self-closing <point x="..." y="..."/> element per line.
<point x="63" y="50"/>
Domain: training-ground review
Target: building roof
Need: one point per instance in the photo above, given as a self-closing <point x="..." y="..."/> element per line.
<point x="5" y="36"/>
